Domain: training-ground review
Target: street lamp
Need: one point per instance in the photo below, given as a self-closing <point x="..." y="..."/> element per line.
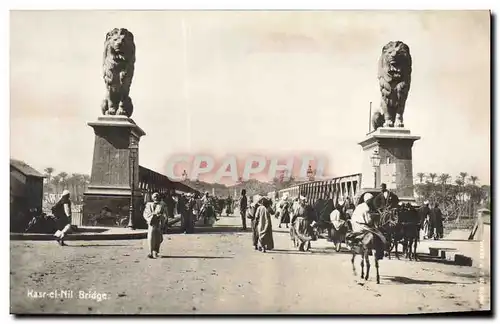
<point x="133" y="147"/>
<point x="375" y="159"/>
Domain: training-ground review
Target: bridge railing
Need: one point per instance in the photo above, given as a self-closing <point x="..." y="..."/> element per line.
<point x="334" y="188"/>
<point x="151" y="181"/>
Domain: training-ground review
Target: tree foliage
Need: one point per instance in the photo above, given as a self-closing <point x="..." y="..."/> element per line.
<point x="462" y="198"/>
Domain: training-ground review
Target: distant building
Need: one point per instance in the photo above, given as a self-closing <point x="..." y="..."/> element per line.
<point x="26" y="187"/>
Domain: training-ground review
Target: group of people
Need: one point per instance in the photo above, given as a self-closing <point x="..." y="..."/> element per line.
<point x="190" y="206"/>
<point x="304" y="218"/>
<point x="432" y="221"/>
<point x="298" y="214"/>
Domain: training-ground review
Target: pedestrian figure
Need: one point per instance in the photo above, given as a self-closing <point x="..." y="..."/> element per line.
<point x="155" y="214"/>
<point x="62" y="213"/>
<point x="229" y="205"/>
<point x="183" y="210"/>
<point x="170" y="208"/>
<point x="264" y="225"/>
<point x="426" y="227"/>
<point x="284" y="207"/>
<point x="243" y="208"/>
<point x="189" y="216"/>
<point x="250" y="214"/>
<point x="437" y="218"/>
<point x="301" y="223"/>
<point x="424" y="213"/>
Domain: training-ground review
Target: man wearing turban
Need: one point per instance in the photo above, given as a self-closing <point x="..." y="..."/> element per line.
<point x="155" y="215"/>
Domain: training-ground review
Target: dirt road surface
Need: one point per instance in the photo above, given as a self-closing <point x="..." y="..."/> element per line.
<point x="218" y="271"/>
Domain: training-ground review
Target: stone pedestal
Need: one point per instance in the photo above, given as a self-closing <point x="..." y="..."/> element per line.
<point x="111" y="176"/>
<point x="396" y="168"/>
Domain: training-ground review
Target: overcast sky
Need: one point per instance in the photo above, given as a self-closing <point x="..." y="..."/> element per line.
<point x="275" y="83"/>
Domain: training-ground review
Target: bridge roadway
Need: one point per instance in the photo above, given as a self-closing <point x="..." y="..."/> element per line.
<point x="217" y="271"/>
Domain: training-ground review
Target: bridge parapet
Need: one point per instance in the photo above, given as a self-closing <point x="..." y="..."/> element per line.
<point x="333" y="188"/>
<point x="151" y="181"/>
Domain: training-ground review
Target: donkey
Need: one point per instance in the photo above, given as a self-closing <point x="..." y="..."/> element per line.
<point x="371" y="239"/>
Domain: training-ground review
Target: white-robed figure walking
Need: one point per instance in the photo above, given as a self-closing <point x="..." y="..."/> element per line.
<point x="155" y="215"/>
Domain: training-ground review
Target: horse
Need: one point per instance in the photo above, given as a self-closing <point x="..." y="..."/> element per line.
<point x="371" y="239"/>
<point x="410" y="225"/>
<point x="405" y="231"/>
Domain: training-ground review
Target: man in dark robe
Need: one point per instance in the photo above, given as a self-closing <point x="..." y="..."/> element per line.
<point x="182" y="209"/>
<point x="243" y="208"/>
<point x="437" y="222"/>
<point x="385" y="199"/>
<point x="323" y="208"/>
<point x="264" y="225"/>
<point x="170" y="204"/>
<point x="229" y="205"/>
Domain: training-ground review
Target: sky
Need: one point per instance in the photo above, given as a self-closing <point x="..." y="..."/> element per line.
<point x="273" y="83"/>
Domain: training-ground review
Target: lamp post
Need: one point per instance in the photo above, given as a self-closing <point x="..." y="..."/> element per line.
<point x="133" y="147"/>
<point x="375" y="159"/>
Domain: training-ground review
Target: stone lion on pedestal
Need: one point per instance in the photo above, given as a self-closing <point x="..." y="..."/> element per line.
<point x="118" y="71"/>
<point x="394" y="75"/>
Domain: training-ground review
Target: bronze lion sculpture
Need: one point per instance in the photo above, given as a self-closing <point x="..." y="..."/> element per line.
<point x="118" y="71"/>
<point x="394" y="75"/>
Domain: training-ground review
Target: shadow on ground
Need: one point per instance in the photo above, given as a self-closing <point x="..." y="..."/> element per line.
<point x="410" y="281"/>
<point x="192" y="257"/>
<point x="211" y="230"/>
<point x="90" y="230"/>
<point x="96" y="245"/>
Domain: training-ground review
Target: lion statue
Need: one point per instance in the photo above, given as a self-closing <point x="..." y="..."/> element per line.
<point x="394" y="75"/>
<point x="118" y="71"/>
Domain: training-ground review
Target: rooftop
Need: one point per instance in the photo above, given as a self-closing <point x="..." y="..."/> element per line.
<point x="25" y="169"/>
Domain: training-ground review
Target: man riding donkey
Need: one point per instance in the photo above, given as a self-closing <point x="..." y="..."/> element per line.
<point x="371" y="214"/>
<point x="366" y="234"/>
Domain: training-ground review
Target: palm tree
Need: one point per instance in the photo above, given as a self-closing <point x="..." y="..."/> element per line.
<point x="443" y="178"/>
<point x="421" y="176"/>
<point x="75" y="181"/>
<point x="56" y="180"/>
<point x="473" y="179"/>
<point x="432" y="176"/>
<point x="463" y="175"/>
<point x="48" y="172"/>
<point x="63" y="176"/>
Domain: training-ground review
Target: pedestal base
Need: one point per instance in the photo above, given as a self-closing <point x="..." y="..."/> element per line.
<point x="394" y="146"/>
<point x="115" y="171"/>
<point x="95" y="210"/>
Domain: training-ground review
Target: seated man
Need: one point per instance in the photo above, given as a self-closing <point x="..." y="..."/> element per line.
<point x="361" y="219"/>
<point x="385" y="199"/>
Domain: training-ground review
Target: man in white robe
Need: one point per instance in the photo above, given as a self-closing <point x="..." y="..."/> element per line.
<point x="361" y="215"/>
<point x="155" y="215"/>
